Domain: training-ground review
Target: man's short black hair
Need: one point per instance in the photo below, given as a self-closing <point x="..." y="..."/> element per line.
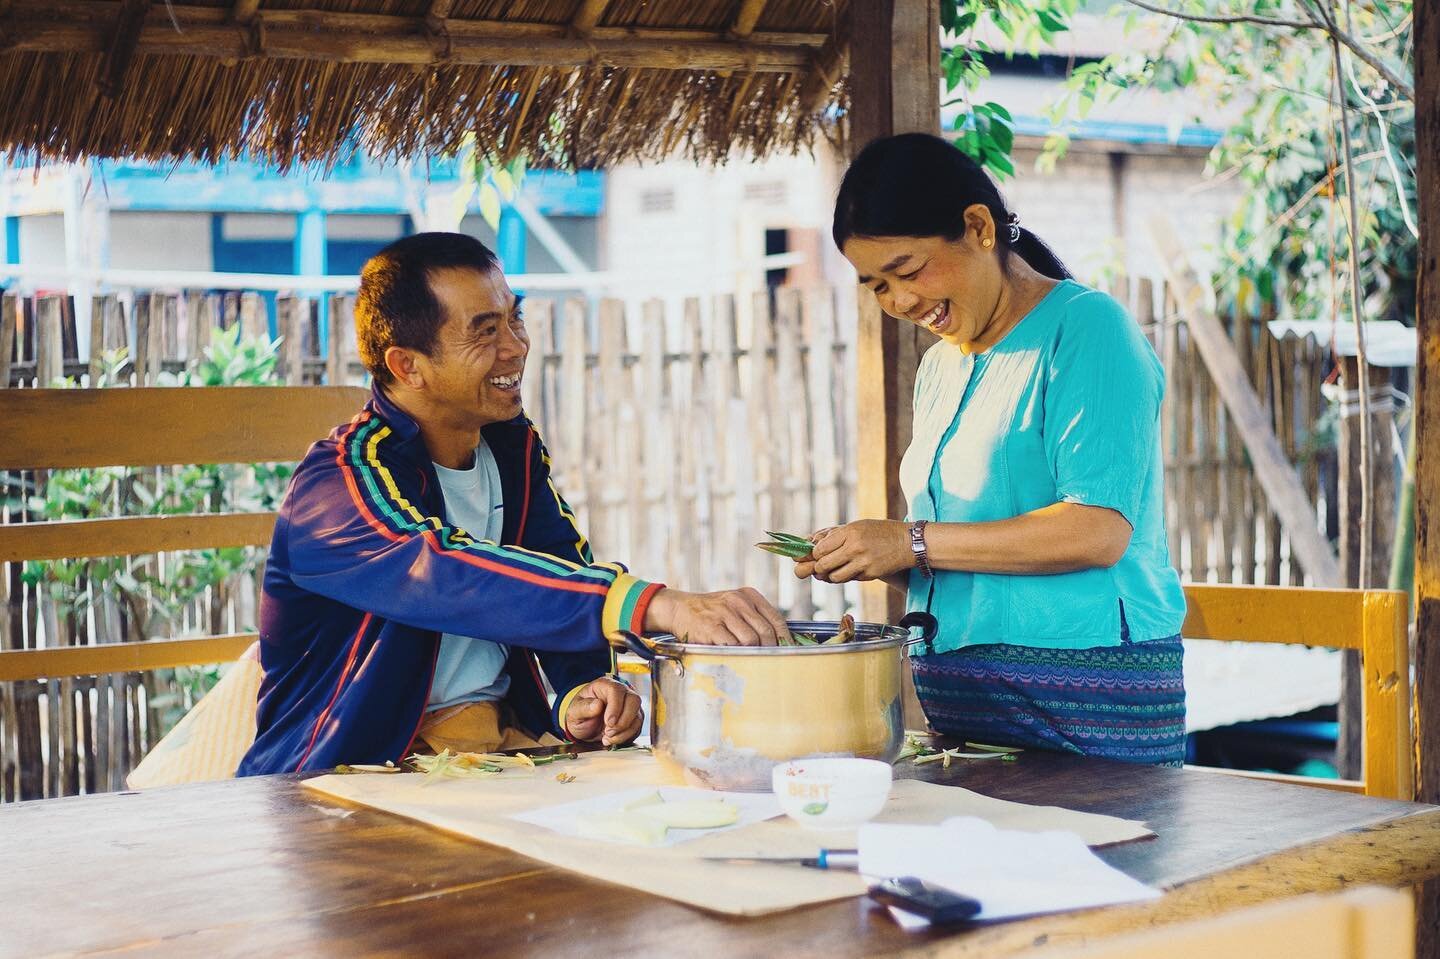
<point x="396" y="307"/>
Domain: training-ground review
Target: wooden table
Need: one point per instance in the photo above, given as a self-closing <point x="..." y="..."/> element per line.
<point x="261" y="866"/>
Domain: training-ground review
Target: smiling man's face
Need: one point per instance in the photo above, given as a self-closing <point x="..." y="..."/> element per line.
<point x="473" y="374"/>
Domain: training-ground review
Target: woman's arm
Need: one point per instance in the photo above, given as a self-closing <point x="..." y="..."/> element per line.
<point x="1059" y="538"/>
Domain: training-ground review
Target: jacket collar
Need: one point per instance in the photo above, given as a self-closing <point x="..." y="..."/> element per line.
<point x="407" y="431"/>
<point x="401" y="423"/>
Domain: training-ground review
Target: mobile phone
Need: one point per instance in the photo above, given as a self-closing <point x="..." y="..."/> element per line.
<point x="914" y="895"/>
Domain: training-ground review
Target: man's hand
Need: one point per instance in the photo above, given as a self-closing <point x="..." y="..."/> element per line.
<point x="737" y="617"/>
<point x="863" y="550"/>
<point x="605" y="710"/>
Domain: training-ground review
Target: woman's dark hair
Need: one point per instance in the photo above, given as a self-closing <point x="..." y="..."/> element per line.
<point x="915" y="184"/>
<point x="395" y="305"/>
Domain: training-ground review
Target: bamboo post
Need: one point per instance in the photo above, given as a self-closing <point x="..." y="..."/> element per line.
<point x="617" y="413"/>
<point x="290" y="326"/>
<point x="1185" y="453"/>
<point x="1207" y="505"/>
<point x="538" y="386"/>
<point x="764" y="569"/>
<point x="824" y="461"/>
<point x="254" y="324"/>
<point x="1287" y="432"/>
<point x="731" y="535"/>
<point x="654" y="517"/>
<point x="1242" y="499"/>
<point x="575" y="395"/>
<point x="699" y="459"/>
<point x="795" y="463"/>
<point x="49" y="343"/>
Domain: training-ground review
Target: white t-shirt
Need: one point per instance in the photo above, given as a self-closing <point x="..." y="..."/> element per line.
<point x="468" y="669"/>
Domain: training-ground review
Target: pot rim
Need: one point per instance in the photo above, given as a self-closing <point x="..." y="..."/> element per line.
<point x="883" y="636"/>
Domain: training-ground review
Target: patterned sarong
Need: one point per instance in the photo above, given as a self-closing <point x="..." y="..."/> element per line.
<point x="1122" y="702"/>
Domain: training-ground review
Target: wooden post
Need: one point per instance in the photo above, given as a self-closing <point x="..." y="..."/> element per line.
<point x="895" y="88"/>
<point x="1426" y="36"/>
<point x="1382" y="528"/>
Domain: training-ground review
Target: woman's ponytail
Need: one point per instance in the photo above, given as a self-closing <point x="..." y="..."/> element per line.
<point x="1038" y="254"/>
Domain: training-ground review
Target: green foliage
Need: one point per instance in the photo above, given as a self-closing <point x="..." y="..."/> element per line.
<point x="1287" y="239"/>
<point x="985" y="131"/>
<point x="495" y="181"/>
<point x="155" y="592"/>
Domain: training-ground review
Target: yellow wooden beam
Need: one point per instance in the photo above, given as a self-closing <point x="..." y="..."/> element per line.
<point x="121" y="657"/>
<point x="1333" y="618"/>
<point x="132" y="535"/>
<point x="63" y="429"/>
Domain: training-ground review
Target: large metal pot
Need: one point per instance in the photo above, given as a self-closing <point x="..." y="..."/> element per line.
<point x="724" y="716"/>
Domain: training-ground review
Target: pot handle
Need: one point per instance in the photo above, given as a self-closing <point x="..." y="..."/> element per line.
<point x="928" y="624"/>
<point x="627" y="642"/>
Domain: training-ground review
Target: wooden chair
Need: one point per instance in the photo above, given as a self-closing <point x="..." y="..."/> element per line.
<point x="65" y="429"/>
<point x="1365" y="923"/>
<point x="1372" y="622"/>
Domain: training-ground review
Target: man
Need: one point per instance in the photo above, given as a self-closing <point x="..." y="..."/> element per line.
<point x="425" y="573"/>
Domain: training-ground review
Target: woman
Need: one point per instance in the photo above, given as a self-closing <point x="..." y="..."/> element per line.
<point x="1036" y="532"/>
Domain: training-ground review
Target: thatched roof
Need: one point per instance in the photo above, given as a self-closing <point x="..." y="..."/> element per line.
<point x="582" y="82"/>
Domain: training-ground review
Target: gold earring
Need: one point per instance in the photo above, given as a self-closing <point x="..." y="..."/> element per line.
<point x="987" y="243"/>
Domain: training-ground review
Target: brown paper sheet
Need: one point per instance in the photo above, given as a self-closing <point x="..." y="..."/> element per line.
<point x="480" y="809"/>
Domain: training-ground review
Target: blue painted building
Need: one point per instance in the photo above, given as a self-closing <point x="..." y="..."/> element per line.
<point x="245" y="217"/>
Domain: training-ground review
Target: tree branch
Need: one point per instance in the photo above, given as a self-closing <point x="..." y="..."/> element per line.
<point x="1225" y="18"/>
<point x="1324" y="23"/>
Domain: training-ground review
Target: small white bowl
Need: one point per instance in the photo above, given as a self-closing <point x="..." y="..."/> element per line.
<point x="832" y="793"/>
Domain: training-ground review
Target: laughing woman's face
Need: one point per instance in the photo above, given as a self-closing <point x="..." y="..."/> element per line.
<point x="949" y="287"/>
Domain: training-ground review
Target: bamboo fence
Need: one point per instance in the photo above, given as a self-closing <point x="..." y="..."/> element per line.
<point x="679" y="431"/>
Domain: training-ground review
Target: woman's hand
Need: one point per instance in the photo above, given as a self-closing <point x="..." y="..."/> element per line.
<point x="863" y="550"/>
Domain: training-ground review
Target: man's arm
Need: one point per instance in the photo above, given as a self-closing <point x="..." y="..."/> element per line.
<point x="358" y="533"/>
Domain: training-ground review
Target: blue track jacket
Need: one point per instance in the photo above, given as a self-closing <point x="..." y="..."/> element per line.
<point x="364" y="575"/>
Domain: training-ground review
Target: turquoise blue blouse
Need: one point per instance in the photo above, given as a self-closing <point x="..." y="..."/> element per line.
<point x="1065" y="408"/>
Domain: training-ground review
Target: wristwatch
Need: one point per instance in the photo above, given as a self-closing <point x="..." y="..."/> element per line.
<point x="917" y="546"/>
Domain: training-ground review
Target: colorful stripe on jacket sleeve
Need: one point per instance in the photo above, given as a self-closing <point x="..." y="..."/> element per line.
<point x="627" y="601"/>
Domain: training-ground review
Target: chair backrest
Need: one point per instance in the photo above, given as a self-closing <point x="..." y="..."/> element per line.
<point x="1365" y="923"/>
<point x="1373" y="622"/>
<point x="66" y="429"/>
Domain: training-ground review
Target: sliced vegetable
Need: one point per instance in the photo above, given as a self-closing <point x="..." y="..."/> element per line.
<point x="448" y="765"/>
<point x="691" y="813"/>
<point x="624" y="826"/>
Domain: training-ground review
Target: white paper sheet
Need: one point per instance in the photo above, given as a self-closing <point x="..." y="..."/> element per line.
<point x="1010" y="873"/>
<point x="564" y="818"/>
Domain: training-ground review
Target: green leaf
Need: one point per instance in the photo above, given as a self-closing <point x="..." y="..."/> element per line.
<point x="997" y="110"/>
<point x="1051" y="22"/>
